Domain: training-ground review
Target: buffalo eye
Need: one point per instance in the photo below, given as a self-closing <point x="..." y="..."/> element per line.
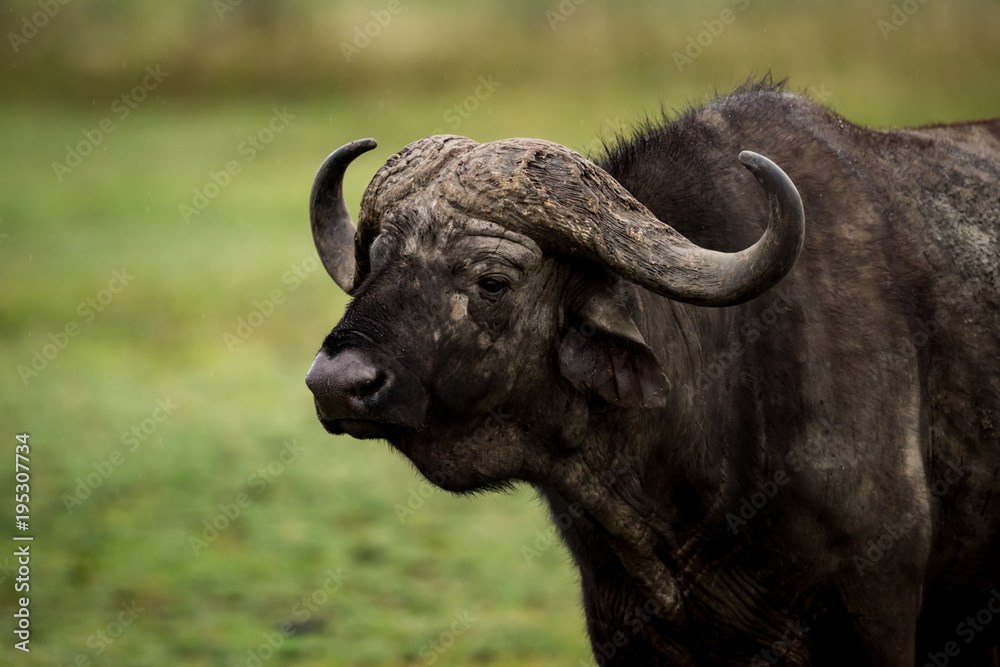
<point x="492" y="286"/>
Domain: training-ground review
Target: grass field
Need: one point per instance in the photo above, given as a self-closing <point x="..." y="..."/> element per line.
<point x="238" y="444"/>
<point x="161" y="305"/>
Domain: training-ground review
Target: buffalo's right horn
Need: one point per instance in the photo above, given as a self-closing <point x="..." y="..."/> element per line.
<point x="332" y="227"/>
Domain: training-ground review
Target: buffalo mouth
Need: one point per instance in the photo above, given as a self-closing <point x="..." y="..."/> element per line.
<point x="362" y="429"/>
<point x="355" y="395"/>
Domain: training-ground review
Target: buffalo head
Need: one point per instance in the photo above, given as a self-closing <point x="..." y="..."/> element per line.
<point x="489" y="322"/>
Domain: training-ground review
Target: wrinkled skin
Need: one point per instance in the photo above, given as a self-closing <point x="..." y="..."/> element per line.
<point x="811" y="476"/>
<point x="485" y="344"/>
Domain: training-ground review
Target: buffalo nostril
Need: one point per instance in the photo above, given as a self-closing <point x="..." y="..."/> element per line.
<point x="350" y="386"/>
<point x="365" y="389"/>
<point x="346" y="385"/>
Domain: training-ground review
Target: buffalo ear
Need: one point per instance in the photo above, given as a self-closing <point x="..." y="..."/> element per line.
<point x="604" y="352"/>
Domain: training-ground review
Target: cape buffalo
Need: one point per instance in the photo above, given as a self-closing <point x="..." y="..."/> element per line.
<point x="765" y="416"/>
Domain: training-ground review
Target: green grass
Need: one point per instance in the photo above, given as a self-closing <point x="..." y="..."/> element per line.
<point x="334" y="506"/>
<point x="165" y="336"/>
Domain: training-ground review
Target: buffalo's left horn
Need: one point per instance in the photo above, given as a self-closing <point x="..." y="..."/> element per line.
<point x="570" y="205"/>
<point x="332" y="227"/>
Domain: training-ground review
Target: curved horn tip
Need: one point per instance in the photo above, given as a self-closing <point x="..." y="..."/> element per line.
<point x="340" y="158"/>
<point x="787" y="214"/>
<point x="361" y="145"/>
<point x="764" y="168"/>
<point x="351" y="150"/>
<point x="774" y="180"/>
<point x="755" y="162"/>
<point x="332" y="227"/>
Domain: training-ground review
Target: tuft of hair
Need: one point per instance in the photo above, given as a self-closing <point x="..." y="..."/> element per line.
<point x="624" y="146"/>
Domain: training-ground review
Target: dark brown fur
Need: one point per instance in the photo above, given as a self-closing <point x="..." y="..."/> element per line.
<point x="822" y="483"/>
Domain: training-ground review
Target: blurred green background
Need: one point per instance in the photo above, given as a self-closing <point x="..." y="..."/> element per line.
<point x="161" y="301"/>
